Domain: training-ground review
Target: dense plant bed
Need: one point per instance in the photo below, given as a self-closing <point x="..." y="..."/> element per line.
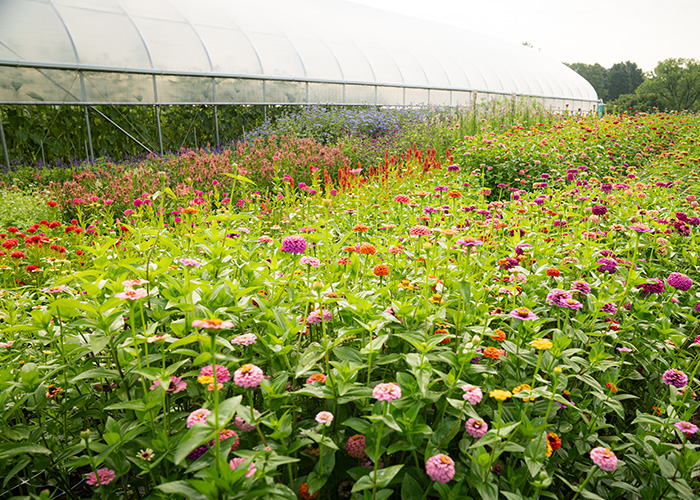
<point x="400" y="334"/>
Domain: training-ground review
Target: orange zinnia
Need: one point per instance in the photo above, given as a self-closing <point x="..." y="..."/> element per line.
<point x="360" y="228"/>
<point x="381" y="270"/>
<point x="492" y="352"/>
<point x="368" y="249"/>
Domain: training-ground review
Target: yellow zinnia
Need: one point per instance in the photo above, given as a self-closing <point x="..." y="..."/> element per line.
<point x="500" y="395"/>
<point x="542" y="344"/>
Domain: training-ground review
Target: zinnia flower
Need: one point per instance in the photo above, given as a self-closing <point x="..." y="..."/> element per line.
<point x="248" y="375"/>
<point x="680" y="281"/>
<point x="542" y="344"/>
<point x="500" y="395"/>
<point x="294" y="244"/>
<point x="246" y="339"/>
<point x="387" y="391"/>
<point x="472" y="394"/>
<point x="523" y="313"/>
<point x="440" y="468"/>
<point x="476" y="428"/>
<point x="311" y="261"/>
<point x="132" y="294"/>
<point x="234" y="463"/>
<point x="197" y="416"/>
<point x="103" y="478"/>
<point x="324" y="417"/>
<point x="686" y="427"/>
<point x="212" y="324"/>
<point x="355" y="446"/>
<point x="674" y="377"/>
<point x="604" y="458"/>
<point x="222" y="373"/>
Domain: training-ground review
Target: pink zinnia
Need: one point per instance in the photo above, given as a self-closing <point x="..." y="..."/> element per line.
<point x="311" y="261"/>
<point x="355" y="446"/>
<point x="686" y="428"/>
<point x="472" y="394"/>
<point x="294" y="244"/>
<point x="132" y="294"/>
<point x="222" y="373"/>
<point x="387" y="392"/>
<point x="419" y="231"/>
<point x="604" y="458"/>
<point x="324" y="417"/>
<point x="476" y="428"/>
<point x="245" y="339"/>
<point x="244" y="426"/>
<point x="440" y="468"/>
<point x="248" y="375"/>
<point x="224" y="435"/>
<point x="103" y="478"/>
<point x="212" y="324"/>
<point x="523" y="313"/>
<point x="174" y="386"/>
<point x="238" y="461"/>
<point x="197" y="416"/>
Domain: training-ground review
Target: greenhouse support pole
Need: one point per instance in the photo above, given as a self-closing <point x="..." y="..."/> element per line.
<point x="160" y="131"/>
<point x="216" y="112"/>
<point x="87" y="118"/>
<point x="4" y="144"/>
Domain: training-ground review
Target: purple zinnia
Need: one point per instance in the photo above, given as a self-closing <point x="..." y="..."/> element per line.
<point x="680" y="281"/>
<point x="652" y="287"/>
<point x="557" y="297"/>
<point x="599" y="210"/>
<point x="674" y="377"/>
<point x="686" y="428"/>
<point x="609" y="308"/>
<point x="607" y="266"/>
<point x="294" y="244"/>
<point x="581" y="286"/>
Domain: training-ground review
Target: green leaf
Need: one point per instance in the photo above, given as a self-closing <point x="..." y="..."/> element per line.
<point x="181" y="488"/>
<point x="196" y="436"/>
<point x="96" y="373"/>
<point x="382" y="478"/>
<point x="410" y="489"/>
<point x="488" y="491"/>
<point x="12" y="449"/>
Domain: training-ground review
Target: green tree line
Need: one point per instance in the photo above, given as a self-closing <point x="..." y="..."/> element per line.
<point x="674" y="84"/>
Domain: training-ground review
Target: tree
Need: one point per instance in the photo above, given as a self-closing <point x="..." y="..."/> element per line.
<point x="622" y="78"/>
<point x="675" y="84"/>
<point x="595" y="74"/>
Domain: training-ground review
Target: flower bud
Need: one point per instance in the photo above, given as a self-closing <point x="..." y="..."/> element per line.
<point x="85" y="434"/>
<point x="557" y="370"/>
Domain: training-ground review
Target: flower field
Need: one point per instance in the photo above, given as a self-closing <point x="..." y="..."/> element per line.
<point x="515" y="319"/>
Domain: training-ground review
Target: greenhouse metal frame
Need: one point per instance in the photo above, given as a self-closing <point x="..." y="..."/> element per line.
<point x="270" y="52"/>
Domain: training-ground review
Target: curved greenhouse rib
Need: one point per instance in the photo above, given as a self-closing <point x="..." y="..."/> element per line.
<point x="344" y="46"/>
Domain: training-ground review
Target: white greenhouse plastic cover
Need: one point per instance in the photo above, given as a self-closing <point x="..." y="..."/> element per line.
<point x="260" y="52"/>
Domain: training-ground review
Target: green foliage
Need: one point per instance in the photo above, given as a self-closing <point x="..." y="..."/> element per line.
<point x="19" y="208"/>
<point x="609" y="84"/>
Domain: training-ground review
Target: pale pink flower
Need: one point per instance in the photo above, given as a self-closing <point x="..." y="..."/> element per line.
<point x="104" y="477"/>
<point x="476" y="428"/>
<point x="133" y="283"/>
<point x="139" y="293"/>
<point x="238" y="461"/>
<point x="222" y="373"/>
<point x="324" y="417"/>
<point x="604" y="458"/>
<point x="387" y="392"/>
<point x="248" y="375"/>
<point x="440" y="468"/>
<point x="246" y="339"/>
<point x="472" y="394"/>
<point x="212" y="324"/>
<point x="7" y="345"/>
<point x="197" y="416"/>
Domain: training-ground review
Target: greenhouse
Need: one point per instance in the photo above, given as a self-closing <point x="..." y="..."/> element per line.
<point x="230" y="52"/>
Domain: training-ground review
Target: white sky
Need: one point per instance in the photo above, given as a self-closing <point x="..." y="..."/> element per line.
<point x="588" y="31"/>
